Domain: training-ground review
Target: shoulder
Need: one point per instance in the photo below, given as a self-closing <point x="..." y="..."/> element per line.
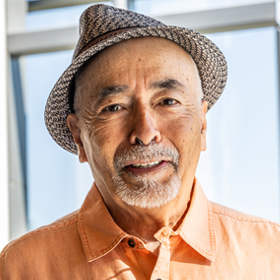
<point x="43" y="236"/>
<point x="224" y="212"/>
<point x="246" y="242"/>
<point x="237" y="225"/>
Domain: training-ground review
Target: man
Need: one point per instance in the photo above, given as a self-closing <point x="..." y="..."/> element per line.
<point x="133" y="105"/>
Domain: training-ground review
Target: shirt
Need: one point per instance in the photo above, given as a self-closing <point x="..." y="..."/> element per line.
<point x="212" y="242"/>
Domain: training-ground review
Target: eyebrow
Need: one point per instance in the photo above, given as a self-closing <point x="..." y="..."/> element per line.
<point x="166" y="84"/>
<point x="113" y="90"/>
<point x="110" y="90"/>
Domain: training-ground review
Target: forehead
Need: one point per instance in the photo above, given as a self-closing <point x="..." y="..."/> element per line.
<point x="148" y="57"/>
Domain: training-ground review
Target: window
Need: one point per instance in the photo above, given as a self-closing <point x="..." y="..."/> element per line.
<point x="240" y="167"/>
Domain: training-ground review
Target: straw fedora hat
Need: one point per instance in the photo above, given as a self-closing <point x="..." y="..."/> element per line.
<point x="102" y="26"/>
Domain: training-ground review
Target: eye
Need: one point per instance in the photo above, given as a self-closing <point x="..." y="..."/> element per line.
<point x="112" y="108"/>
<point x="169" y="101"/>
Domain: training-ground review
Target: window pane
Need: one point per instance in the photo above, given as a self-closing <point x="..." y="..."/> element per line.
<point x="163" y="7"/>
<point x="57" y="182"/>
<point x="55" y="18"/>
<point x="240" y="168"/>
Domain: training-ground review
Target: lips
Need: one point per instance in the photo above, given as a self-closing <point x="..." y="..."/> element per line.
<point x="145" y="159"/>
<point x="146" y="165"/>
<point x="140" y="168"/>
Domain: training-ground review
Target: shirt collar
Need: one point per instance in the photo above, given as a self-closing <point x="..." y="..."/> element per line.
<point x="98" y="231"/>
<point x="197" y="228"/>
<point x="100" y="234"/>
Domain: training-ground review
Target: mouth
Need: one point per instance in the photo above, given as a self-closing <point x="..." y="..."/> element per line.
<point x="140" y="168"/>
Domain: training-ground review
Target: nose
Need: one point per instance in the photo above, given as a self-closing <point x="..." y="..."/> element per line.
<point x="144" y="130"/>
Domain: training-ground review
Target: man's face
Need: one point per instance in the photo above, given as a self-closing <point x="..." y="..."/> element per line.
<point x="140" y="122"/>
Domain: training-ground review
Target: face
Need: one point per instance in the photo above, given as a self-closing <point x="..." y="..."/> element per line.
<point x="140" y="122"/>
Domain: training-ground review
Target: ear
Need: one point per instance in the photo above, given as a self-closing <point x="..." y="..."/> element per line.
<point x="204" y="107"/>
<point x="72" y="122"/>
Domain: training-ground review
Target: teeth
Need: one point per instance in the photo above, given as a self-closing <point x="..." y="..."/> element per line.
<point x="146" y="165"/>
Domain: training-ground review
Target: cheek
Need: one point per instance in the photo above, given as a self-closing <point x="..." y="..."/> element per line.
<point x="100" y="129"/>
<point x="183" y="129"/>
<point x="100" y="156"/>
<point x="184" y="132"/>
<point x="101" y="139"/>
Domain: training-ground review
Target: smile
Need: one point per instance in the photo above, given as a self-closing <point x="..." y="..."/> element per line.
<point x="142" y="168"/>
<point x="146" y="165"/>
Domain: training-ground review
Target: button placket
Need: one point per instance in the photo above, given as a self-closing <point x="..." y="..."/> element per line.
<point x="161" y="269"/>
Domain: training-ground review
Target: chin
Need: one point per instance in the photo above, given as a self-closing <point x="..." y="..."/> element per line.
<point x="147" y="193"/>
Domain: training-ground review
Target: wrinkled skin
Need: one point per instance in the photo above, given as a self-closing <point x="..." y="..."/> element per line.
<point x="146" y="89"/>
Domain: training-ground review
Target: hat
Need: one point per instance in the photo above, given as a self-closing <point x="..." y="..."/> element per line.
<point x="102" y="26"/>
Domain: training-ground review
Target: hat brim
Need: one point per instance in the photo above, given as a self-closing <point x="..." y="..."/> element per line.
<point x="210" y="62"/>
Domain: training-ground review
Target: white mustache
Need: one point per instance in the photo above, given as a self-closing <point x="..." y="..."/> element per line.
<point x="142" y="153"/>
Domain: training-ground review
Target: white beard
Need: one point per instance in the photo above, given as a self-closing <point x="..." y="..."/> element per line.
<point x="147" y="192"/>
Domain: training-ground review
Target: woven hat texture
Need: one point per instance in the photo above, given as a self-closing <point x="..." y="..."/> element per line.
<point x="105" y="26"/>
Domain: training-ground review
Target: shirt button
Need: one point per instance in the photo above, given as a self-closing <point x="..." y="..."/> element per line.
<point x="131" y="243"/>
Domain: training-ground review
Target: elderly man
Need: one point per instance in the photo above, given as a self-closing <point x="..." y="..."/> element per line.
<point x="133" y="105"/>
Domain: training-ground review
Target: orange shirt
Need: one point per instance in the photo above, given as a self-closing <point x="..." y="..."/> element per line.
<point x="213" y="242"/>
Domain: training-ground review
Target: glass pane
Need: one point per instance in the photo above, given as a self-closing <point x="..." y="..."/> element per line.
<point x="163" y="7"/>
<point x="56" y="18"/>
<point x="240" y="168"/>
<point x="57" y="182"/>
